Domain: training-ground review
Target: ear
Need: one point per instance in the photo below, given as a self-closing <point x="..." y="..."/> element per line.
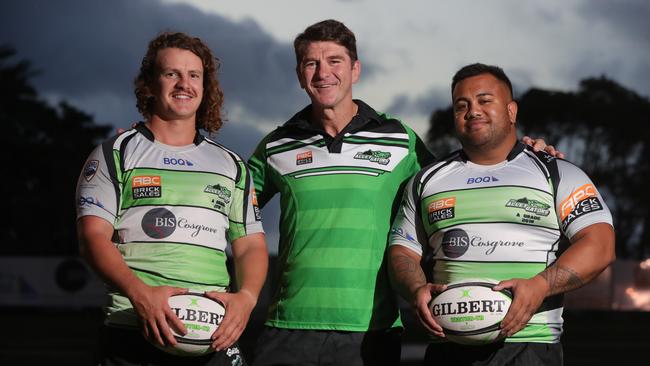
<point x="356" y="71"/>
<point x="512" y="112"/>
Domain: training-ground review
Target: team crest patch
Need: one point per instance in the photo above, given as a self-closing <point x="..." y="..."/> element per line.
<point x="530" y="205"/>
<point x="220" y="191"/>
<point x="304" y="158"/>
<point x="223" y="195"/>
<point x="380" y="157"/>
<point x="442" y="209"/>
<point x="90" y="169"/>
<point x="146" y="186"/>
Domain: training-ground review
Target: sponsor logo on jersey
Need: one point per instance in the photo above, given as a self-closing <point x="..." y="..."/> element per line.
<point x="90" y="169"/>
<point x="159" y="223"/>
<point x="220" y="191"/>
<point x="89" y="201"/>
<point x="580" y="202"/>
<point x="442" y="209"/>
<point x="146" y="186"/>
<point x="304" y="158"/>
<point x="177" y="161"/>
<point x="256" y="208"/>
<point x="380" y="157"/>
<point x="455" y="243"/>
<point x="530" y="205"/>
<point x="486" y="179"/>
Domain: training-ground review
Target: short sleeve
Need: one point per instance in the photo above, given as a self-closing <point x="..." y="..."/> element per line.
<point x="578" y="202"/>
<point x="97" y="193"/>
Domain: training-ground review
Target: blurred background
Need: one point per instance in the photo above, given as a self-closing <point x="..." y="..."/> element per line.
<point x="579" y="67"/>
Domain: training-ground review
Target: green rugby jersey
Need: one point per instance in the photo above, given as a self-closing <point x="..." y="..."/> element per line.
<point x="173" y="209"/>
<point x="498" y="222"/>
<point x="337" y="197"/>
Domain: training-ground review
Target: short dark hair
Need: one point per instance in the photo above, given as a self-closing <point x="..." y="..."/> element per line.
<point x="478" y="69"/>
<point x="208" y="116"/>
<point x="326" y="30"/>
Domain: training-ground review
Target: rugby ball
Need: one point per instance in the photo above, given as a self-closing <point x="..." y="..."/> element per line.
<point x="201" y="316"/>
<point x="470" y="312"/>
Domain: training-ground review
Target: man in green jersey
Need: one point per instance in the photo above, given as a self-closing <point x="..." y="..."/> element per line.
<point x="338" y="166"/>
<point x="157" y="205"/>
<point x="498" y="210"/>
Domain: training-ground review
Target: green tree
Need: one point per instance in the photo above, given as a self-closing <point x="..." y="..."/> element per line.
<point x="602" y="127"/>
<point x="44" y="150"/>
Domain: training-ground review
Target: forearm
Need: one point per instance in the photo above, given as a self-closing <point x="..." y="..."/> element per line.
<point x="251" y="264"/>
<point x="405" y="272"/>
<point x="590" y="253"/>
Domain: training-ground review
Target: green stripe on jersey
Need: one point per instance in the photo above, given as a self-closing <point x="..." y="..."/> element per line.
<point x="492" y="204"/>
<point x="446" y="271"/>
<point x="174" y="261"/>
<point x="179" y="188"/>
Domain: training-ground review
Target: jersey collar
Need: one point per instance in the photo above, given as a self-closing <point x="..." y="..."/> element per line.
<point x="516" y="150"/>
<point x="146" y="132"/>
<point x="365" y="114"/>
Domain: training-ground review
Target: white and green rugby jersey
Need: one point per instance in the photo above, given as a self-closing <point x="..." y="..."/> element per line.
<point x="173" y="209"/>
<point x="498" y="222"/>
<point x="338" y="196"/>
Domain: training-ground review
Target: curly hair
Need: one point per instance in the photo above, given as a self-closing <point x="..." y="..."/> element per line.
<point x="208" y="115"/>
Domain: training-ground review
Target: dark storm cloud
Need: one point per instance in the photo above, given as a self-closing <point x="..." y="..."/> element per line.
<point x="424" y="104"/>
<point x="87" y="50"/>
<point x="628" y="19"/>
<point x="627" y="16"/>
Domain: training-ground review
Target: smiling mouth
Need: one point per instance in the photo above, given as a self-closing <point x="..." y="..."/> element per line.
<point x="182" y="96"/>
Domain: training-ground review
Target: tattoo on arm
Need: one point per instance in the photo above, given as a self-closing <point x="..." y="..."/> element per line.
<point x="408" y="271"/>
<point x="561" y="279"/>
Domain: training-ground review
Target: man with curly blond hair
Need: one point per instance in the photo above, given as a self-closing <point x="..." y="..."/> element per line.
<point x="157" y="205"/>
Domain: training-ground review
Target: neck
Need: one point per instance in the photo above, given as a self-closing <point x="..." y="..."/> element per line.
<point x="174" y="133"/>
<point x="333" y="120"/>
<point x="489" y="155"/>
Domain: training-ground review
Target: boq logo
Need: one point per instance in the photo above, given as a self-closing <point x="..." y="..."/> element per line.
<point x="455" y="243"/>
<point x="159" y="223"/>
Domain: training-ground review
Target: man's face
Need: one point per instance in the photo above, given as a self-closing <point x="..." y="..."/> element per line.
<point x="178" y="87"/>
<point x="327" y="73"/>
<point x="484" y="112"/>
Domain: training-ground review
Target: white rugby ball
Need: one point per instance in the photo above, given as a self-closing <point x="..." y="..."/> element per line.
<point x="470" y="312"/>
<point x="201" y="316"/>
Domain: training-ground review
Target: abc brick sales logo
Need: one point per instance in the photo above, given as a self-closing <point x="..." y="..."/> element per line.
<point x="580" y="202"/>
<point x="146" y="186"/>
<point x="304" y="158"/>
<point x="441" y="209"/>
<point x="380" y="157"/>
<point x="159" y="223"/>
<point x="455" y="243"/>
<point x="256" y="207"/>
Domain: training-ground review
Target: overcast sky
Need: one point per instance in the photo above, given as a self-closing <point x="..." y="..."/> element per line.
<point x="88" y="52"/>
